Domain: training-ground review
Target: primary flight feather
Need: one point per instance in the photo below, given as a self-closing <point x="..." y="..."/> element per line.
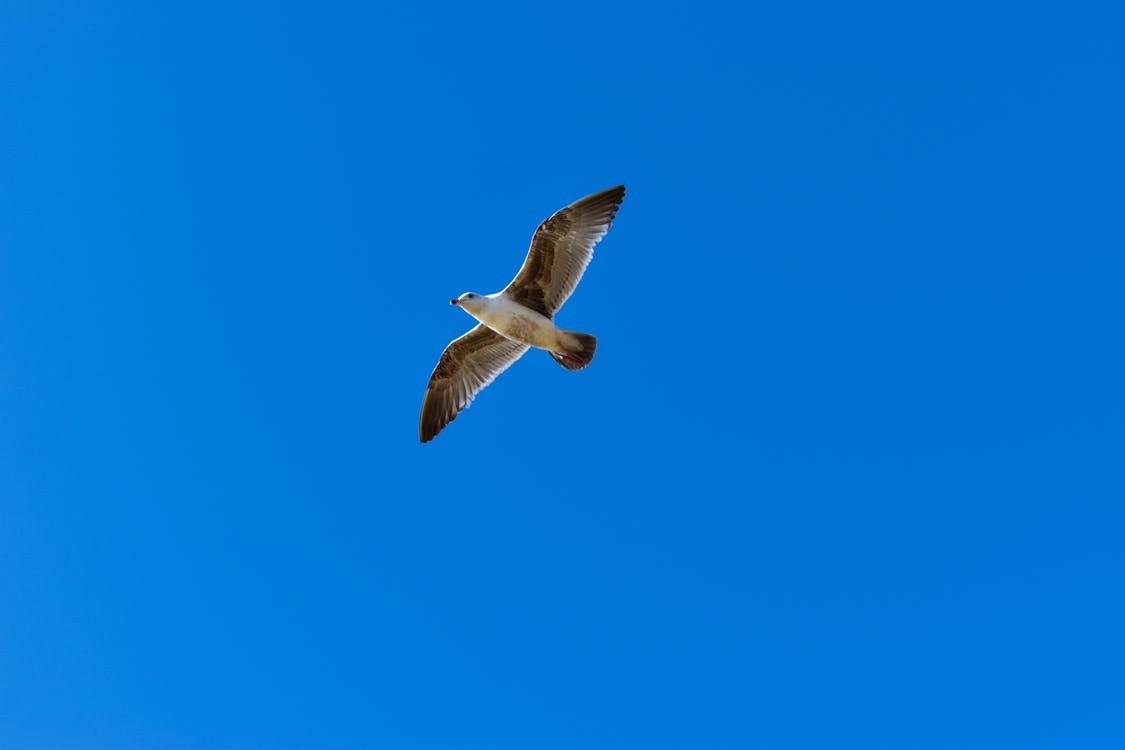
<point x="520" y="316"/>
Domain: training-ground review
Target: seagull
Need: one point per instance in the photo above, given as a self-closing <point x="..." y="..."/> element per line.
<point x="520" y="316"/>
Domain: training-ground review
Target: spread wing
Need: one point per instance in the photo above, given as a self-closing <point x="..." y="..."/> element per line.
<point x="466" y="366"/>
<point x="560" y="250"/>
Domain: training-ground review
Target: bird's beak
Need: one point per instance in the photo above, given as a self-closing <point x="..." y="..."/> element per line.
<point x="453" y="302"/>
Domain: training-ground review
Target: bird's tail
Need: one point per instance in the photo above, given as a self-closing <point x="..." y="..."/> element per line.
<point x="575" y="349"/>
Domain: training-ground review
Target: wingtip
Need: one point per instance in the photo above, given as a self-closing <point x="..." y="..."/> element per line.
<point x="426" y="433"/>
<point x="429" y="426"/>
<point x="608" y="200"/>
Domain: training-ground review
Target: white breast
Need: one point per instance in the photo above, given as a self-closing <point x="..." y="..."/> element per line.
<point x="517" y="322"/>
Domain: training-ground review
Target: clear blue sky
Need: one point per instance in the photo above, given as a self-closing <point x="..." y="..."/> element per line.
<point x="846" y="472"/>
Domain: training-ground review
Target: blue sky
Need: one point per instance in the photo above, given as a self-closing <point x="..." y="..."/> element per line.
<point x="845" y="472"/>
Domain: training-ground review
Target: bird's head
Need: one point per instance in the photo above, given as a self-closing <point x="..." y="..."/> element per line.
<point x="469" y="301"/>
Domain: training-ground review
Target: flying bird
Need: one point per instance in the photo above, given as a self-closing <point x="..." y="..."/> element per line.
<point x="520" y="316"/>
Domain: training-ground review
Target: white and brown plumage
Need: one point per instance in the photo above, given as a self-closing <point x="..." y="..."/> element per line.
<point x="520" y="316"/>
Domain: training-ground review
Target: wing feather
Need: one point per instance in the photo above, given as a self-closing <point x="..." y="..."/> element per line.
<point x="466" y="366"/>
<point x="561" y="248"/>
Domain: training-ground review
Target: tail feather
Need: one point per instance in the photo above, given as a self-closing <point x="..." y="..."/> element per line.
<point x="576" y="350"/>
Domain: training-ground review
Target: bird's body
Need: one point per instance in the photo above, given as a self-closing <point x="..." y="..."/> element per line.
<point x="514" y="321"/>
<point x="521" y="315"/>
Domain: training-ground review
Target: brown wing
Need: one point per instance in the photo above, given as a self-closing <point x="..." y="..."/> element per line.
<point x="466" y="366"/>
<point x="560" y="250"/>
